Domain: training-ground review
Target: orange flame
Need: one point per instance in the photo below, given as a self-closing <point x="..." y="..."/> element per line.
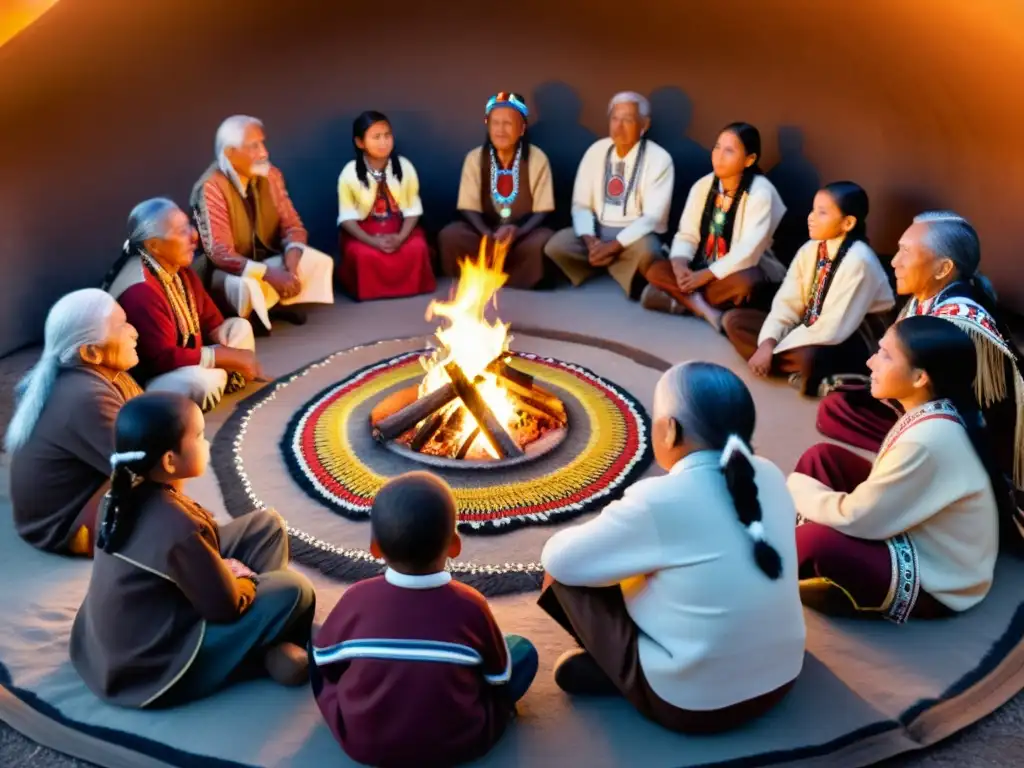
<point x="470" y="340"/>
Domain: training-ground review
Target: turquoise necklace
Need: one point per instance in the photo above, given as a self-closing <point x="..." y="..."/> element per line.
<point x="504" y="202"/>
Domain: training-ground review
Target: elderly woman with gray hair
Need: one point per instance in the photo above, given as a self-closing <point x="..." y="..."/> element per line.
<point x="185" y="344"/>
<point x="937" y="267"/>
<point x="620" y="202"/>
<point x="62" y="433"/>
<point x="251" y="234"/>
<point x="683" y="594"/>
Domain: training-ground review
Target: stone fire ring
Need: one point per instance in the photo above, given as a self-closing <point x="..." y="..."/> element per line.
<point x="329" y="452"/>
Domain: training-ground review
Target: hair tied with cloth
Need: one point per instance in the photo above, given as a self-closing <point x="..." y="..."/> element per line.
<point x="120" y="459"/>
<point x="737" y="464"/>
<point x="732" y="445"/>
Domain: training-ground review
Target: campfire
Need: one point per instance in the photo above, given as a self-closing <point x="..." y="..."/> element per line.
<point x="472" y="405"/>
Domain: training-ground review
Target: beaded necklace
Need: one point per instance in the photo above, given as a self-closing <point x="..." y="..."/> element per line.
<point x="715" y="245"/>
<point x="179" y="296"/>
<point x="504" y="202"/>
<point x="382" y="207"/>
<point x="823" y="269"/>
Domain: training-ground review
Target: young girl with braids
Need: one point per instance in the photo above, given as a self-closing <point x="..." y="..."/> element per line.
<point x="916" y="532"/>
<point x="178" y="606"/>
<point x="683" y="594"/>
<point x="832" y="307"/>
<point x="720" y="257"/>
<point x="384" y="254"/>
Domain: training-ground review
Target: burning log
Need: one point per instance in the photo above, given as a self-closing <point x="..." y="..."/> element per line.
<point x="464" y="448"/>
<point x="493" y="430"/>
<point x="426" y="431"/>
<point x="533" y="397"/>
<point x="503" y="370"/>
<point x="452" y="427"/>
<point x="405" y="419"/>
<point x="539" y="407"/>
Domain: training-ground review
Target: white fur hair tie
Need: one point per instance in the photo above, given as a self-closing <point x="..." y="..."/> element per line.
<point x="756" y="530"/>
<point x="732" y="445"/>
<point x="127" y="457"/>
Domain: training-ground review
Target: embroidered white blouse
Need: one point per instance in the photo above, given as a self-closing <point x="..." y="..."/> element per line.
<point x="761" y="209"/>
<point x="859" y="287"/>
<point x="355" y="201"/>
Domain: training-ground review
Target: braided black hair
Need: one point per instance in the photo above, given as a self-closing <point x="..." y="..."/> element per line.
<point x="851" y="200"/>
<point x="147" y="427"/>
<point x="717" y="408"/>
<point x="739" y="479"/>
<point x="360" y="126"/>
<point x="750" y="138"/>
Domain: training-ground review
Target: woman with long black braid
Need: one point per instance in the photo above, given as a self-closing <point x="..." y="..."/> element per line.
<point x="683" y="594"/>
<point x="832" y="307"/>
<point x="177" y="605"/>
<point x="916" y="532"/>
<point x="720" y="256"/>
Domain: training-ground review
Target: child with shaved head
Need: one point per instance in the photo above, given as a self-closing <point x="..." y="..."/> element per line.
<point x="411" y="667"/>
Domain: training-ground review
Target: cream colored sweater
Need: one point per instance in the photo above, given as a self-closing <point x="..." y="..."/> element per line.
<point x="930" y="484"/>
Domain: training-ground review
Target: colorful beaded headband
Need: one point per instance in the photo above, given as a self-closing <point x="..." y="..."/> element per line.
<point x="506" y="99"/>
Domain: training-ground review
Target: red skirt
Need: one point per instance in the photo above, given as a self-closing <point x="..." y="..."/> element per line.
<point x="367" y="273"/>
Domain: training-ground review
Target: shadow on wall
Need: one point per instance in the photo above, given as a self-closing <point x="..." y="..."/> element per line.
<point x="558" y="132"/>
<point x="797" y="181"/>
<point x="671" y="118"/>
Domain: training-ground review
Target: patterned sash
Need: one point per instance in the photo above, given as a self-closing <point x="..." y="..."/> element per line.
<point x="905" y="584"/>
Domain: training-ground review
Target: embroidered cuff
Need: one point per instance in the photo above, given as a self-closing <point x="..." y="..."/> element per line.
<point x="254" y="269"/>
<point x="208" y="358"/>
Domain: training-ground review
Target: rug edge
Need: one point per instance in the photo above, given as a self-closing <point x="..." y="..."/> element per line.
<point x="44" y="724"/>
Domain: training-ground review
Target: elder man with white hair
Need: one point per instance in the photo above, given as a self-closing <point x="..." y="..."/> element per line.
<point x="620" y="202"/>
<point x="62" y="433"/>
<point x="251" y="232"/>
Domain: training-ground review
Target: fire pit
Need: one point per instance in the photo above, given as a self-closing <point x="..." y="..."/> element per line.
<point x="473" y="408"/>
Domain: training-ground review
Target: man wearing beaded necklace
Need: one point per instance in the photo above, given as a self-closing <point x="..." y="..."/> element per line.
<point x="185" y="344"/>
<point x="253" y="239"/>
<point x="504" y="195"/>
<point x="620" y="202"/>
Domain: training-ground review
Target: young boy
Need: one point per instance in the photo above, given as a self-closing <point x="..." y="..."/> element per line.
<point x="410" y="668"/>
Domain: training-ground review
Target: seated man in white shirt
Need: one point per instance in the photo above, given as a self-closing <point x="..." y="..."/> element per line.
<point x="683" y="594"/>
<point x="620" y="202"/>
